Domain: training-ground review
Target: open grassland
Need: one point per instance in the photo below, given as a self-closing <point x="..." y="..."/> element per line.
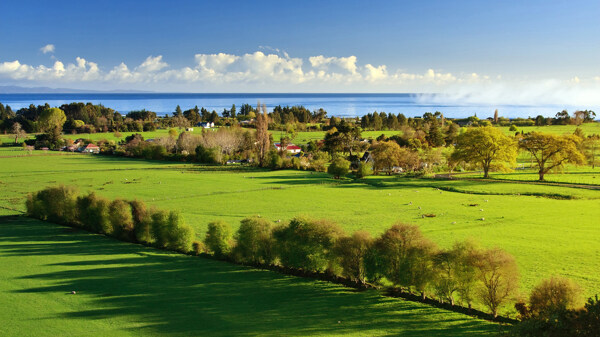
<point x="587" y="128"/>
<point x="582" y="175"/>
<point x="546" y="231"/>
<point x="124" y="289"/>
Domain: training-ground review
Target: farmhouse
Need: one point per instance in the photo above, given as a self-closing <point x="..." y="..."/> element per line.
<point x="290" y="148"/>
<point x="91" y="148"/>
<point x="206" y="125"/>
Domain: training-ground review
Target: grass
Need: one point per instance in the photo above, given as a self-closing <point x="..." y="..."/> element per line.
<point x="549" y="229"/>
<point x="129" y="290"/>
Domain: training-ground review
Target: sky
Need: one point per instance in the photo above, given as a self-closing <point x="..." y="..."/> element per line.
<point x="513" y="51"/>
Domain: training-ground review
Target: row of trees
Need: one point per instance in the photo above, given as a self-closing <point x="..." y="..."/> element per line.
<point x="401" y="256"/>
<point x="130" y="221"/>
<point x="490" y="149"/>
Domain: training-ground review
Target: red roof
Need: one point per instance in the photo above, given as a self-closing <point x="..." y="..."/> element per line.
<point x="92" y="146"/>
<point x="289" y="147"/>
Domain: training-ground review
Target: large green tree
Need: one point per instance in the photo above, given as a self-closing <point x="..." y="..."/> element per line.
<point x="52" y="120"/>
<point x="487" y="147"/>
<point x="552" y="152"/>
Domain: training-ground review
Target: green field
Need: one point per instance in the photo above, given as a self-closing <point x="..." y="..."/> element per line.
<point x="548" y="235"/>
<point x="588" y="129"/>
<point x="124" y="289"/>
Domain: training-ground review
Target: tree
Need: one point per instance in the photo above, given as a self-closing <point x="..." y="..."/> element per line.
<point x="455" y="273"/>
<point x="386" y="155"/>
<point x="487" y="147"/>
<point x="232" y="111"/>
<point x="498" y="276"/>
<point x="255" y="241"/>
<point x="407" y="257"/>
<point x="180" y="122"/>
<point x="351" y="252"/>
<point x="591" y="145"/>
<point x="339" y="168"/>
<point x="554" y="295"/>
<point x="52" y="120"/>
<point x="218" y="237"/>
<point x="178" y="112"/>
<point x="18" y="132"/>
<point x="552" y="152"/>
<point x="263" y="140"/>
<point x="307" y="243"/>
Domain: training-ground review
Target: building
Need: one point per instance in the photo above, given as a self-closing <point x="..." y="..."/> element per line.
<point x="206" y="125"/>
<point x="291" y="148"/>
<point x="91" y="148"/>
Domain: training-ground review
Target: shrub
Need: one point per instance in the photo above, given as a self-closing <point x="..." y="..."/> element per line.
<point x="554" y="295"/>
<point x="255" y="241"/>
<point x="198" y="247"/>
<point x="351" y="252"/>
<point x="121" y="219"/>
<point x="94" y="214"/>
<point x="307" y="244"/>
<point x="218" y="237"/>
<point x="141" y="222"/>
<point x="339" y="168"/>
<point x="209" y="155"/>
<point x="363" y="170"/>
<point x="159" y="227"/>
<point x="55" y="204"/>
<point x="179" y="235"/>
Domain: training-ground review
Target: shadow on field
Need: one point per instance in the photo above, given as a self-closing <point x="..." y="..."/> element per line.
<point x="176" y="294"/>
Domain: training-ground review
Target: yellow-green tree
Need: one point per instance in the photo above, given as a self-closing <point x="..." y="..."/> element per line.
<point x="552" y="152"/>
<point x="386" y="155"/>
<point x="486" y="147"/>
<point x="52" y="119"/>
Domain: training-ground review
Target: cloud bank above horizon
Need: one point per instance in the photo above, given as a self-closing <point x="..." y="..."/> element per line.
<point x="276" y="71"/>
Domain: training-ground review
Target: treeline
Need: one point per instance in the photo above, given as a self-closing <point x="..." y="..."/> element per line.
<point x="130" y="221"/>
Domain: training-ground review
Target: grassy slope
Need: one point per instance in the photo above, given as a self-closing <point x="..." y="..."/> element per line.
<point x="125" y="290"/>
<point x="547" y="236"/>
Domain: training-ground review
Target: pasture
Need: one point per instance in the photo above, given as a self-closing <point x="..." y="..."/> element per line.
<point x="124" y="289"/>
<point x="549" y="229"/>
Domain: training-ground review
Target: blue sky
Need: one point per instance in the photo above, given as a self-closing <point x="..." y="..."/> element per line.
<point x="521" y="42"/>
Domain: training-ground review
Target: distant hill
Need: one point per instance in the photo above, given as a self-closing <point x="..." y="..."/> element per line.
<point x="13" y="89"/>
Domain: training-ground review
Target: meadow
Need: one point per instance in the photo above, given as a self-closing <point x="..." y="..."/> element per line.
<point x="122" y="289"/>
<point x="549" y="229"/>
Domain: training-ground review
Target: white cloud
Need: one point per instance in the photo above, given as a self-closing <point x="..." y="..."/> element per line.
<point x="49" y="48"/>
<point x="277" y="71"/>
<point x="152" y="64"/>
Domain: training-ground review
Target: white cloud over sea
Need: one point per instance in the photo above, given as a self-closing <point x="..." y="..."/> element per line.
<point x="276" y="71"/>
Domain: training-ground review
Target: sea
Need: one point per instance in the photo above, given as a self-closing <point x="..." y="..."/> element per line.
<point x="341" y="105"/>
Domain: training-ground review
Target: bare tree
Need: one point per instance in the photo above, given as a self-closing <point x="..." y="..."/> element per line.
<point x="498" y="274"/>
<point x="18" y="131"/>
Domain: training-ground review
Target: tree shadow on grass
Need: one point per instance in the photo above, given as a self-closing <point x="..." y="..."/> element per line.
<point x="184" y="295"/>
